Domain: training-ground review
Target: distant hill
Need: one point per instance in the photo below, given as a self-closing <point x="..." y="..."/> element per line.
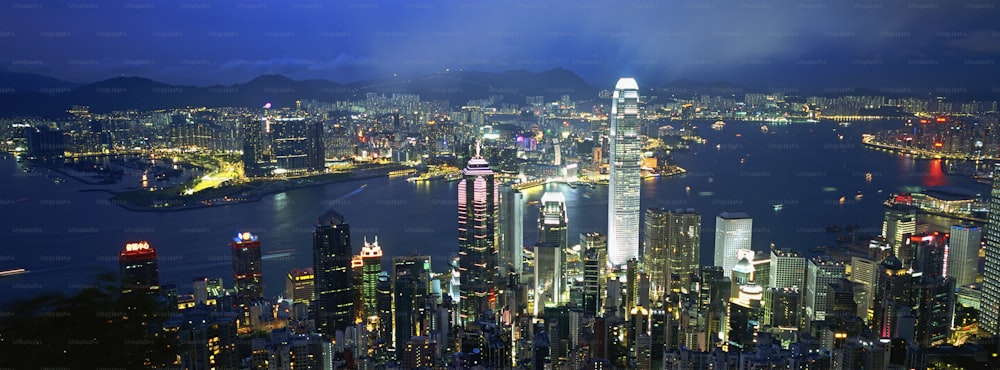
<point x="686" y="88"/>
<point x="21" y="83"/>
<point x="125" y="93"/>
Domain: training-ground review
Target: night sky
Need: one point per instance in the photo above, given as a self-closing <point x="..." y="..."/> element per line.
<point x="772" y="44"/>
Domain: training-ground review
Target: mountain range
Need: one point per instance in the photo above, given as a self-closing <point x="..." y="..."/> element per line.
<point x="26" y="94"/>
<point x="23" y="94"/>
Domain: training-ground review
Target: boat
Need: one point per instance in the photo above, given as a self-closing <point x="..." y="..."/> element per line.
<point x="845" y="124"/>
<point x="858" y="196"/>
<point x="778" y="207"/>
<point x="718" y="146"/>
<point x="718" y="125"/>
<point x="687" y="189"/>
<point x="843" y="199"/>
<point x="763" y="128"/>
<point x="868" y="176"/>
<point x="12" y="272"/>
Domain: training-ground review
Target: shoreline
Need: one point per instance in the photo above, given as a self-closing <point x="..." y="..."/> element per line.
<point x="257" y="191"/>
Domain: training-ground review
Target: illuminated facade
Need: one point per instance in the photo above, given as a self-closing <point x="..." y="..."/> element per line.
<point x="253" y="147"/>
<point x="291" y="143"/>
<point x="247" y="274"/>
<point x="478" y="199"/>
<point x="822" y="272"/>
<point x="989" y="309"/>
<point x="900" y="222"/>
<point x="624" y="174"/>
<point x="334" y="306"/>
<point x="732" y="233"/>
<point x="299" y="287"/>
<point x="512" y="224"/>
<point x="552" y="220"/>
<point x="371" y="257"/>
<point x="139" y="269"/>
<point x="963" y="253"/>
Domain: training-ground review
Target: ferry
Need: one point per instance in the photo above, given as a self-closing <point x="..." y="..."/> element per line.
<point x="12" y="272"/>
<point x="843" y="199"/>
<point x="763" y="128"/>
<point x="718" y="125"/>
<point x="859" y="195"/>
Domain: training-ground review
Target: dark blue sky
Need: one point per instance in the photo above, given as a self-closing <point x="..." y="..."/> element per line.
<point x="776" y="44"/>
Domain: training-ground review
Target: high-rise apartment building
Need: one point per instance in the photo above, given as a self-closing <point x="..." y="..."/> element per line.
<point x="624" y="175"/>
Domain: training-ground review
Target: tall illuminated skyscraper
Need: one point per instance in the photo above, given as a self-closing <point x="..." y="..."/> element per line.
<point x="478" y="198"/>
<point x="624" y="176"/>
<point x="989" y="309"/>
<point x="512" y="226"/>
<point x="252" y="129"/>
<point x="899" y="224"/>
<point x="247" y="274"/>
<point x="139" y="269"/>
<point x="371" y="257"/>
<point x="334" y="306"/>
<point x="963" y="253"/>
<point x="732" y="233"/>
<point x="552" y="219"/>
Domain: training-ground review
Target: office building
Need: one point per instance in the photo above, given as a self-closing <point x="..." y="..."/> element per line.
<point x="290" y="143"/>
<point x="963" y="253"/>
<point x="247" y="272"/>
<point x="254" y="152"/>
<point x="300" y="285"/>
<point x="788" y="269"/>
<point x="624" y="174"/>
<point x="334" y="307"/>
<point x="478" y="199"/>
<point x="552" y="220"/>
<point x="512" y="226"/>
<point x="732" y="232"/>
<point x="821" y="272"/>
<point x="548" y="276"/>
<point x="371" y="258"/>
<point x="989" y="311"/>
<point x="900" y="222"/>
<point x="864" y="271"/>
<point x="138" y="269"/>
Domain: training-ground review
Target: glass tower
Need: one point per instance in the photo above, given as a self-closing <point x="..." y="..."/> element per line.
<point x="478" y="199"/>
<point x="990" y="306"/>
<point x="624" y="176"/>
<point x="334" y="307"/>
<point x="732" y="233"/>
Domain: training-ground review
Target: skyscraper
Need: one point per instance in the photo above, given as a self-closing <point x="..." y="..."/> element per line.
<point x="548" y="276"/>
<point x="334" y="307"/>
<point x="253" y="146"/>
<point x="299" y="286"/>
<point x="512" y="224"/>
<point x="624" y="175"/>
<point x="247" y="274"/>
<point x="139" y="269"/>
<point x="788" y="269"/>
<point x="963" y="253"/>
<point x="478" y="199"/>
<point x="371" y="257"/>
<point x="989" y="311"/>
<point x="683" y="248"/>
<point x="732" y="233"/>
<point x="822" y="272"/>
<point x="654" y="252"/>
<point x="900" y="222"/>
<point x="291" y="143"/>
<point x="552" y="220"/>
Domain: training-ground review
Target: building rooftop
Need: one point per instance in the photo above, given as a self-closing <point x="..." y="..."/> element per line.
<point x="626" y="83"/>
